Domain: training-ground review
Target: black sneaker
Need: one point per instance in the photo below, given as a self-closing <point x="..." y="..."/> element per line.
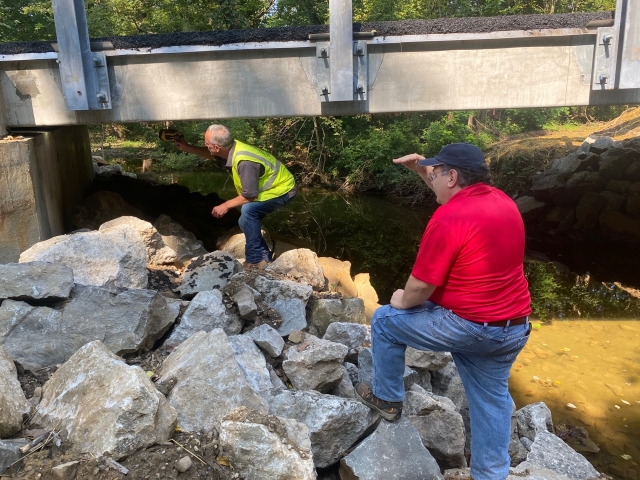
<point x="389" y="410"/>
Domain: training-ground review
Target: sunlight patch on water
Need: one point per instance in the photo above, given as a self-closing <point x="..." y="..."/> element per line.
<point x="588" y="374"/>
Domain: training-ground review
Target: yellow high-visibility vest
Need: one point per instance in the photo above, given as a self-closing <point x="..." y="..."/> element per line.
<point x="275" y="181"/>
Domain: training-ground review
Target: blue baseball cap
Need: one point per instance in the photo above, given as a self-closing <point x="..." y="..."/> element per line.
<point x="461" y="155"/>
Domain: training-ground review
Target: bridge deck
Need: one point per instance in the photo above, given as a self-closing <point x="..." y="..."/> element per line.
<point x="443" y="64"/>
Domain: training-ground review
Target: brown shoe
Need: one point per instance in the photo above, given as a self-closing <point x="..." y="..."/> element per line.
<point x="261" y="265"/>
<point x="389" y="410"/>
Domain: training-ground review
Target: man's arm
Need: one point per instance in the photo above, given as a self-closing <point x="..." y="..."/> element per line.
<point x="202" y="152"/>
<point x="221" y="210"/>
<point x="411" y="162"/>
<point x="415" y="292"/>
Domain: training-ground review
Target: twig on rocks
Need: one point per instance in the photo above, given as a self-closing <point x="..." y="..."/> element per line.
<point x="34" y="442"/>
<point x="115" y="465"/>
<point x="202" y="460"/>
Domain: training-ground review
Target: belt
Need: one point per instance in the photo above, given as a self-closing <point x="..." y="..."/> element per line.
<point x="503" y="323"/>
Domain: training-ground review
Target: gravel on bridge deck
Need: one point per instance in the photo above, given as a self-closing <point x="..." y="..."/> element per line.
<point x="287" y="34"/>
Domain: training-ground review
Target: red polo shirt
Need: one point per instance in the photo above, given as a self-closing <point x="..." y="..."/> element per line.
<point x="472" y="250"/>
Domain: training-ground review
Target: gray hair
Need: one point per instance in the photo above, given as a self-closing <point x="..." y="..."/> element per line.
<point x="471" y="177"/>
<point x="220" y="135"/>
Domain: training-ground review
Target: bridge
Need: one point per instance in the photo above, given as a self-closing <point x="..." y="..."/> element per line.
<point x="52" y="91"/>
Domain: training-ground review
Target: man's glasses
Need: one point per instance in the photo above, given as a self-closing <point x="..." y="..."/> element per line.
<point x="434" y="175"/>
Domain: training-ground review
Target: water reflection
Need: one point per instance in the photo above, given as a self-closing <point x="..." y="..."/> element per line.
<point x="588" y="373"/>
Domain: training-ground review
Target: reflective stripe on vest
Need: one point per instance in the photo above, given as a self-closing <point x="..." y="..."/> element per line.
<point x="279" y="181"/>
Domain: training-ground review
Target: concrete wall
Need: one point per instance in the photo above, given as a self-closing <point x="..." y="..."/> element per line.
<point x="3" y="122"/>
<point x="42" y="179"/>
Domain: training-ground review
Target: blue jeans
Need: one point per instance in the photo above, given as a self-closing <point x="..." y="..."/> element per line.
<point x="483" y="356"/>
<point x="256" y="248"/>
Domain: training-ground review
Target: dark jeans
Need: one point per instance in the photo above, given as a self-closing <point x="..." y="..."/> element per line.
<point x="256" y="248"/>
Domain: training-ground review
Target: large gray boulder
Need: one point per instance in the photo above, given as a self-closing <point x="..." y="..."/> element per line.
<point x="302" y="266"/>
<point x="575" y="188"/>
<point x="315" y="364"/>
<point x="14" y="407"/>
<point x="264" y="447"/>
<point x="530" y="208"/>
<point x="104" y="406"/>
<point x="205" y="312"/>
<point x="335" y="424"/>
<point x="426" y="359"/>
<point x="204" y="383"/>
<point x="545" y="184"/>
<point x="326" y="311"/>
<point x="551" y="453"/>
<point x="533" y="419"/>
<point x="615" y="161"/>
<point x="126" y="322"/>
<point x="157" y="252"/>
<point x="35" y="281"/>
<point x="208" y="272"/>
<point x="365" y="370"/>
<point x="114" y="258"/>
<point x="351" y="335"/>
<point x="268" y="339"/>
<point x="439" y="425"/>
<point x="251" y="361"/>
<point x="393" y="452"/>
<point x="178" y="239"/>
<point x="287" y="298"/>
<point x="589" y="208"/>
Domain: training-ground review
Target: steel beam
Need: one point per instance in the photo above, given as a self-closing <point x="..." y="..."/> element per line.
<point x="341" y="86"/>
<point x="82" y="73"/>
<point x="630" y="56"/>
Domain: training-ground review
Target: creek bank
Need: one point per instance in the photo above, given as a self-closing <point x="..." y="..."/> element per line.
<point x="252" y="385"/>
<point x="228" y="363"/>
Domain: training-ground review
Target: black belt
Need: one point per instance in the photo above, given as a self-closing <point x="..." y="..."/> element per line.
<point x="503" y="323"/>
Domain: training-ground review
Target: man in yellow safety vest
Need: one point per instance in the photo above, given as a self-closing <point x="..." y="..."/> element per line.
<point x="263" y="184"/>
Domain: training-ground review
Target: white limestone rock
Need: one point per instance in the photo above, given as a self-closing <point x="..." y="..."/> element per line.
<point x="205" y="312"/>
<point x="157" y="252"/>
<point x="351" y="335"/>
<point x="315" y="364"/>
<point x="267" y="447"/>
<point x="104" y="406"/>
<point x="177" y="238"/>
<point x="302" y="266"/>
<point x="426" y="359"/>
<point x="203" y="382"/>
<point x="393" y="452"/>
<point x="35" y="281"/>
<point x="246" y="302"/>
<point x="439" y="425"/>
<point x="287" y="298"/>
<point x="325" y="311"/>
<point x="550" y="452"/>
<point x="14" y="407"/>
<point x="345" y="388"/>
<point x="111" y="259"/>
<point x="126" y="322"/>
<point x="335" y="424"/>
<point x="251" y="361"/>
<point x="532" y="419"/>
<point x="268" y="339"/>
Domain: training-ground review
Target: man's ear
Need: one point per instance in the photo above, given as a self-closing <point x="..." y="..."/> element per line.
<point x="452" y="179"/>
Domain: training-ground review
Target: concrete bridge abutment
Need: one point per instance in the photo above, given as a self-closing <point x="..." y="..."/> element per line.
<point x="44" y="175"/>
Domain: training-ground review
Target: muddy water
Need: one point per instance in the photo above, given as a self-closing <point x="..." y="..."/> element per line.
<point x="588" y="374"/>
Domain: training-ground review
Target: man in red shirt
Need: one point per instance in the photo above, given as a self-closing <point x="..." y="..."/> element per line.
<point x="466" y="294"/>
